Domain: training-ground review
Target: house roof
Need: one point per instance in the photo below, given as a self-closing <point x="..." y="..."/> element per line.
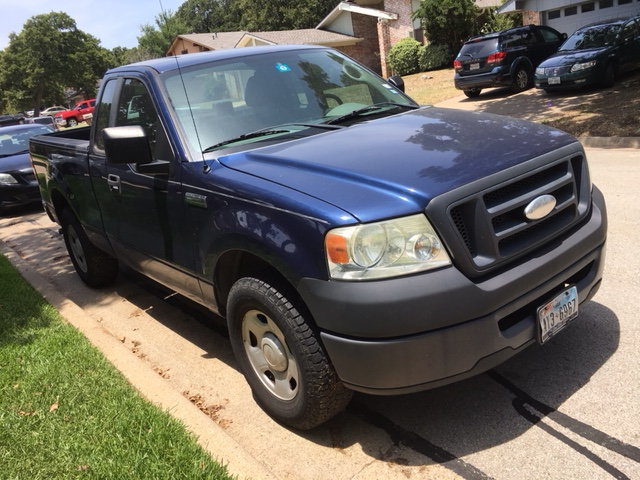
<point x="309" y="36"/>
<point x="212" y="41"/>
<point x="350" y="7"/>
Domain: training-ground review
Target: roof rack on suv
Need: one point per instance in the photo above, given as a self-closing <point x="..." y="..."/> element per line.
<point x="506" y="58"/>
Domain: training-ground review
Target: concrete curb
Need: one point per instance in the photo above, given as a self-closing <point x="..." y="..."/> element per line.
<point x="151" y="386"/>
<point x="610" y="142"/>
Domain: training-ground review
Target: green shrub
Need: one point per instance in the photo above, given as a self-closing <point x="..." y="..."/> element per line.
<point x="403" y="57"/>
<point x="433" y="57"/>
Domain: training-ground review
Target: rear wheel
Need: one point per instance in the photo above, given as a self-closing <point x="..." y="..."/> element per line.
<point x="281" y="356"/>
<point x="95" y="267"/>
<point x="521" y="79"/>
<point x="473" y="93"/>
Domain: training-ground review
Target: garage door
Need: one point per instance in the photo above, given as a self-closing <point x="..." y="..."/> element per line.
<point x="568" y="19"/>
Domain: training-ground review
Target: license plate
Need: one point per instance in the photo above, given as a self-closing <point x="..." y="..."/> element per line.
<point x="474" y="66"/>
<point x="554" y="80"/>
<point x="555" y="315"/>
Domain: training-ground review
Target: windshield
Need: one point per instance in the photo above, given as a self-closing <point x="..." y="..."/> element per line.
<point x="228" y="99"/>
<point x="592" y="37"/>
<point x="16" y="140"/>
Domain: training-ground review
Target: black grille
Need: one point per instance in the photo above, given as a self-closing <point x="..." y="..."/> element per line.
<point x="491" y="227"/>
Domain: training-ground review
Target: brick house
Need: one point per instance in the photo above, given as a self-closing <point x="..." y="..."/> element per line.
<point x="363" y="29"/>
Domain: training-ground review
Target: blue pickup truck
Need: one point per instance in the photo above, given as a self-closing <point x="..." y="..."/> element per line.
<point x="352" y="239"/>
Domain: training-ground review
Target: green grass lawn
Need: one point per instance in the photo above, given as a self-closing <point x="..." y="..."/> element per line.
<point x="65" y="413"/>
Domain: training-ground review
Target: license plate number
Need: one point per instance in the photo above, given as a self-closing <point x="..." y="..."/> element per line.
<point x="554" y="80"/>
<point x="474" y="66"/>
<point x="555" y="315"/>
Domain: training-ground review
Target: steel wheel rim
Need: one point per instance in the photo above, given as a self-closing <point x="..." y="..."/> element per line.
<point x="269" y="355"/>
<point x="76" y="249"/>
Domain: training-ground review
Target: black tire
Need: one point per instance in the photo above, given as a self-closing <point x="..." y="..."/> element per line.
<point x="609" y="77"/>
<point x="72" y="122"/>
<point x="521" y="80"/>
<point x="473" y="93"/>
<point x="95" y="267"/>
<point x="281" y="356"/>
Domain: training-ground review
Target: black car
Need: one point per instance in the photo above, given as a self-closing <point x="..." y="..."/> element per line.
<point x="11" y="119"/>
<point x="18" y="185"/>
<point x="504" y="59"/>
<point x="594" y="54"/>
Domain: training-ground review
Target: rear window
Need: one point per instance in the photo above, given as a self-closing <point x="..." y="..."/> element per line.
<point x="479" y="48"/>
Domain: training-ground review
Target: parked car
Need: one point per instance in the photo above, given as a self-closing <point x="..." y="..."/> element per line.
<point x="18" y="184"/>
<point x="595" y="54"/>
<point x="11" y="119"/>
<point x="71" y="118"/>
<point x="507" y="58"/>
<point x="52" y="110"/>
<point x="48" y="120"/>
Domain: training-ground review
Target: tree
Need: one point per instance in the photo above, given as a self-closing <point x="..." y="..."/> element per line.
<point x="156" y="41"/>
<point x="267" y="15"/>
<point x="47" y="56"/>
<point x="208" y="16"/>
<point x="447" y="22"/>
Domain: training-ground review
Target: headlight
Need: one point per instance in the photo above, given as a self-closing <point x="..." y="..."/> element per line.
<point x="384" y="249"/>
<point x="583" y="66"/>
<point x="7" y="179"/>
<point x="540" y="71"/>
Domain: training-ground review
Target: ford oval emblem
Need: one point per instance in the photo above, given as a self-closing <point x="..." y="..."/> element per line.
<point x="540" y="207"/>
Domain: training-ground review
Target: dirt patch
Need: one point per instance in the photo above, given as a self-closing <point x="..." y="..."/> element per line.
<point x="591" y="112"/>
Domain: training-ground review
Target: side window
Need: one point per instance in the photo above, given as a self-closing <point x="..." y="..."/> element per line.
<point x="135" y="107"/>
<point x="548" y="35"/>
<point x="629" y="31"/>
<point x="103" y="112"/>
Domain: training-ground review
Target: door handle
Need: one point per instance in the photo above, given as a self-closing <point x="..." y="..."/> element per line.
<point x="113" y="181"/>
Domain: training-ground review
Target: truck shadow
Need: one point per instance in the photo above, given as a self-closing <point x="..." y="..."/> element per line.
<point x="443" y="425"/>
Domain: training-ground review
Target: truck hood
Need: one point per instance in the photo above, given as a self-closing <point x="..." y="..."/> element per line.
<point x="394" y="166"/>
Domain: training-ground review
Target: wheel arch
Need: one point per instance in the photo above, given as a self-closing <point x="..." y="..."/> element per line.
<point x="521" y="62"/>
<point x="234" y="263"/>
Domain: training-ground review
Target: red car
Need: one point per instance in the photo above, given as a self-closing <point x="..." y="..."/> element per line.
<point x="71" y="118"/>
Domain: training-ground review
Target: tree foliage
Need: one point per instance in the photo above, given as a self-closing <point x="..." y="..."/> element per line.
<point x="209" y="16"/>
<point x="156" y="41"/>
<point x="47" y="56"/>
<point x="447" y="22"/>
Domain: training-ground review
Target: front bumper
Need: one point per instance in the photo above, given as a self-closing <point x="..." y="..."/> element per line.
<point x="569" y="80"/>
<point x="20" y="194"/>
<point x="414" y="333"/>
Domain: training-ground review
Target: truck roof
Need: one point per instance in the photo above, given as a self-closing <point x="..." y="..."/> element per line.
<point x="166" y="64"/>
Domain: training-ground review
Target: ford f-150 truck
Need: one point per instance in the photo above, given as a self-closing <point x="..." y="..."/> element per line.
<point x="353" y="240"/>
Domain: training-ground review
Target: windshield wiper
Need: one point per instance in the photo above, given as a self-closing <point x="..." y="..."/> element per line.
<point x="278" y="129"/>
<point x="368" y="109"/>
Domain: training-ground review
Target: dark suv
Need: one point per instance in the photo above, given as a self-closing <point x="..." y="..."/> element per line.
<point x="504" y="59"/>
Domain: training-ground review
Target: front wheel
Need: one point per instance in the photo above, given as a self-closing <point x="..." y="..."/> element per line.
<point x="72" y="122"/>
<point x="95" y="267"/>
<point x="609" y="77"/>
<point x="281" y="356"/>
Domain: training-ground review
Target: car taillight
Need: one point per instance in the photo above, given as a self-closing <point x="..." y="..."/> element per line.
<point x="496" y="57"/>
<point x="457" y="65"/>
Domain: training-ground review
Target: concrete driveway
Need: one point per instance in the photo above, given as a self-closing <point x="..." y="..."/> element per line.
<point x="567" y="410"/>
